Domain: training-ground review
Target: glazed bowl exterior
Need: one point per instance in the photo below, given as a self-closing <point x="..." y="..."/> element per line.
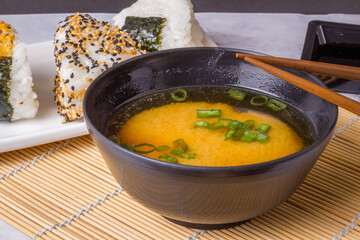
<point x="203" y="197"/>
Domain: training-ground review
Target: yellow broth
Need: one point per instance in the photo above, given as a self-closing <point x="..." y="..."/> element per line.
<point x="165" y="124"/>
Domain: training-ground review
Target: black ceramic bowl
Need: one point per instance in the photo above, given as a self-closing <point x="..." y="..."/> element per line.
<point x="203" y="197"/>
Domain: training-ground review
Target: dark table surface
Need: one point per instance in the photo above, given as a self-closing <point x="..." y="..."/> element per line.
<point x="112" y="6"/>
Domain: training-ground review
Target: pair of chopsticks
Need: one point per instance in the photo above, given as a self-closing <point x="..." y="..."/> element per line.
<point x="336" y="70"/>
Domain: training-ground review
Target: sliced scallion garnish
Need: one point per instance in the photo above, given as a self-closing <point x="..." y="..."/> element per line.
<point x="216" y="125"/>
<point x="177" y="152"/>
<point x="162" y="148"/>
<point x="152" y="148"/>
<point x="127" y="146"/>
<point x="236" y="94"/>
<point x="181" y="153"/>
<point x="261" y="137"/>
<point x="259" y="101"/>
<point x="238" y="134"/>
<point x="168" y="158"/>
<point x="276" y="105"/>
<point x="179" y="95"/>
<point x="234" y="124"/>
<point x="201" y="123"/>
<point x="263" y="128"/>
<point x="180" y="144"/>
<point x="208" y="113"/>
<point x="249" y="136"/>
<point x="229" y="134"/>
<point x="249" y="124"/>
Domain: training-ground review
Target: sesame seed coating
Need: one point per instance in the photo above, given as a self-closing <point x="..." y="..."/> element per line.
<point x="83" y="49"/>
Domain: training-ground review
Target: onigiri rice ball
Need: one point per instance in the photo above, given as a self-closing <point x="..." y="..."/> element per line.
<point x="17" y="96"/>
<point x="180" y="29"/>
<point x="84" y="48"/>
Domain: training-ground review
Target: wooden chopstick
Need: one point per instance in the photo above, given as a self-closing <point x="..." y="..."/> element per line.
<point x="322" y="92"/>
<point x="339" y="71"/>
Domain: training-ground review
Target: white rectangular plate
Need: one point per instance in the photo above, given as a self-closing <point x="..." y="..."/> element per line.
<point x="46" y="126"/>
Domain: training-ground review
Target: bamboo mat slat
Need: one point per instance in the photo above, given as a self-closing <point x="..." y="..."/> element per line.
<point x="64" y="190"/>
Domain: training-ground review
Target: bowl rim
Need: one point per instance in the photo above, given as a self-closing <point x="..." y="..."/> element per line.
<point x="248" y="169"/>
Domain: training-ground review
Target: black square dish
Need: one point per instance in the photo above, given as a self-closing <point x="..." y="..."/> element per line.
<point x="337" y="43"/>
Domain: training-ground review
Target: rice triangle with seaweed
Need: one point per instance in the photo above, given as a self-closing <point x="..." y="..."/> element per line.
<point x="84" y="48"/>
<point x="162" y="24"/>
<point x="17" y="96"/>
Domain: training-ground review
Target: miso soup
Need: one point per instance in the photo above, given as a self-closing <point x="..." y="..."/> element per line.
<point x="209" y="126"/>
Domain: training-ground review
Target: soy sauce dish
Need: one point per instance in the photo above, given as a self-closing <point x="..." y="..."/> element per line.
<point x="204" y="197"/>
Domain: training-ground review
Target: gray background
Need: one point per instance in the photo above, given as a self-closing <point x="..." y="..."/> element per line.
<point x="251" y="6"/>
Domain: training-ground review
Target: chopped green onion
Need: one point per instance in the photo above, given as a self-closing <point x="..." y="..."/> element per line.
<point x="259" y="101"/>
<point x="127" y="146"/>
<point x="276" y="105"/>
<point x="201" y="123"/>
<point x="229" y="134"/>
<point x="216" y="125"/>
<point x="249" y="124"/>
<point x="261" y="137"/>
<point x="142" y="145"/>
<point x="212" y="126"/>
<point x="114" y="139"/>
<point x="177" y="152"/>
<point x="162" y="148"/>
<point x="179" y="95"/>
<point x="220" y="123"/>
<point x="180" y="153"/>
<point x="238" y="134"/>
<point x="168" y="158"/>
<point x="234" y="124"/>
<point x="249" y="136"/>
<point x="263" y="128"/>
<point x="208" y="113"/>
<point x="180" y="144"/>
<point x="236" y="94"/>
<point x="243" y="127"/>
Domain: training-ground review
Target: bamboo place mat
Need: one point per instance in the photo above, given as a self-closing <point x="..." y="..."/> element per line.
<point x="64" y="190"/>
